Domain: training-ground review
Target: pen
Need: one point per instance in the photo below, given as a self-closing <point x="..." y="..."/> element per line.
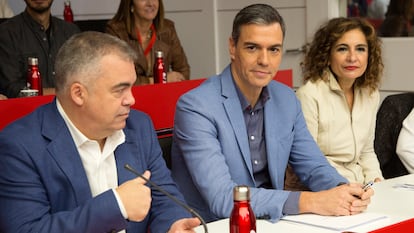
<point x="368" y="185"/>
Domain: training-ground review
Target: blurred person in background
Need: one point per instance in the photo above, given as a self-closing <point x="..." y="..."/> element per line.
<point x="32" y="33"/>
<point x="399" y="19"/>
<point x="141" y="23"/>
<point x="5" y="12"/>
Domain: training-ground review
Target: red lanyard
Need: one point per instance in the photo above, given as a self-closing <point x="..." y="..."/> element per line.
<point x="152" y="41"/>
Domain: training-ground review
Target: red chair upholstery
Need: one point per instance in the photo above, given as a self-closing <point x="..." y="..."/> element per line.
<point x="404" y="226"/>
<point x="376" y="23"/>
<point x="285" y="77"/>
<point x="13" y="109"/>
<point x="157" y="100"/>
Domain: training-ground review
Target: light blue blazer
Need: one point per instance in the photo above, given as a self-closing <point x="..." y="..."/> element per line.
<point x="44" y="188"/>
<point x="211" y="155"/>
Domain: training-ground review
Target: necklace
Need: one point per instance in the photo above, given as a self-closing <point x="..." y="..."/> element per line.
<point x="149" y="34"/>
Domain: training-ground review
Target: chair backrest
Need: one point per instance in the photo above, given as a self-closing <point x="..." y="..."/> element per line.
<point x="15" y="108"/>
<point x="393" y="110"/>
<point x="92" y="25"/>
<point x="157" y="100"/>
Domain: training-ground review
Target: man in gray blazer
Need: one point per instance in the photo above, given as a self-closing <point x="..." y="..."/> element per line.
<point x="240" y="127"/>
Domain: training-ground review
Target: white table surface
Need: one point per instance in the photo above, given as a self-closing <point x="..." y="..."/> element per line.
<point x="396" y="203"/>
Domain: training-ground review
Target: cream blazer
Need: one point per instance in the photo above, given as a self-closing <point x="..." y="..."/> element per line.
<point x="346" y="138"/>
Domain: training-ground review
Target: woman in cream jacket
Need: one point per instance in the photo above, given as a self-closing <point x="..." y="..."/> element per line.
<point x="340" y="98"/>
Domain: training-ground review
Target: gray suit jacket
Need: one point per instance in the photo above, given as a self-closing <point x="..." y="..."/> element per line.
<point x="211" y="155"/>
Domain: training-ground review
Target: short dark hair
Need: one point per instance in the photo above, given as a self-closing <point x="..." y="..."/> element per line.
<point x="261" y="14"/>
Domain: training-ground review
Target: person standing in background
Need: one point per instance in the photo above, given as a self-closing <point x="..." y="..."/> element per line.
<point x="340" y="98"/>
<point x="33" y="33"/>
<point x="141" y="23"/>
<point x="5" y="10"/>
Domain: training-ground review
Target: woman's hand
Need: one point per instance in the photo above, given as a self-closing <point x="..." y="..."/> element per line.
<point x="174" y="76"/>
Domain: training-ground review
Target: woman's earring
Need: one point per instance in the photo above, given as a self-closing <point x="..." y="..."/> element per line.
<point x="132" y="10"/>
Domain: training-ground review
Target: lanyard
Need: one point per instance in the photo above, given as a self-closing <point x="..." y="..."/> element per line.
<point x="152" y="40"/>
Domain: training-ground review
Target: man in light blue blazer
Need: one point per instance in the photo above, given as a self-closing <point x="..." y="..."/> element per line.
<point x="242" y="128"/>
<point x="62" y="166"/>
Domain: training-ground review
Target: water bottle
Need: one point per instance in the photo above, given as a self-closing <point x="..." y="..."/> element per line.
<point x="242" y="219"/>
<point x="159" y="73"/>
<point x="34" y="80"/>
<point x="67" y="12"/>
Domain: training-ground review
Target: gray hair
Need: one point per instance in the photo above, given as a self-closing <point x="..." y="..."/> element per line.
<point x="79" y="57"/>
<point x="260" y="14"/>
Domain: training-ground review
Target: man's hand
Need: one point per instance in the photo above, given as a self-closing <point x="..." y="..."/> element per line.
<point x="3" y="97"/>
<point x="184" y="225"/>
<point x="136" y="197"/>
<point x="347" y="199"/>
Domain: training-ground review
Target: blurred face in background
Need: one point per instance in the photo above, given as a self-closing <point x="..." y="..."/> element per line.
<point x="38" y="6"/>
<point x="145" y="9"/>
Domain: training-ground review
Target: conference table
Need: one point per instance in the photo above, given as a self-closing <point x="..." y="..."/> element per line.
<point x="392" y="199"/>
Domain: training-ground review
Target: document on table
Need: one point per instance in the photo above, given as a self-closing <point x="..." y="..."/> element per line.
<point x="404" y="186"/>
<point x="338" y="223"/>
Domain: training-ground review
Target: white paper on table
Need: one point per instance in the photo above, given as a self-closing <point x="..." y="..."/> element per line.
<point x="338" y="223"/>
<point x="404" y="186"/>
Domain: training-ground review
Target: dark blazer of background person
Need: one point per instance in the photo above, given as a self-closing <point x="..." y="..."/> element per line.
<point x="22" y="37"/>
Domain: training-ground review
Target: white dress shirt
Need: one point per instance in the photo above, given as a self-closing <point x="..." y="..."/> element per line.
<point x="99" y="165"/>
<point x="405" y="143"/>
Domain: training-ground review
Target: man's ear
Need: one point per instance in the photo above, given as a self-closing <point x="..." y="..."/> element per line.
<point x="78" y="93"/>
<point x="232" y="48"/>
